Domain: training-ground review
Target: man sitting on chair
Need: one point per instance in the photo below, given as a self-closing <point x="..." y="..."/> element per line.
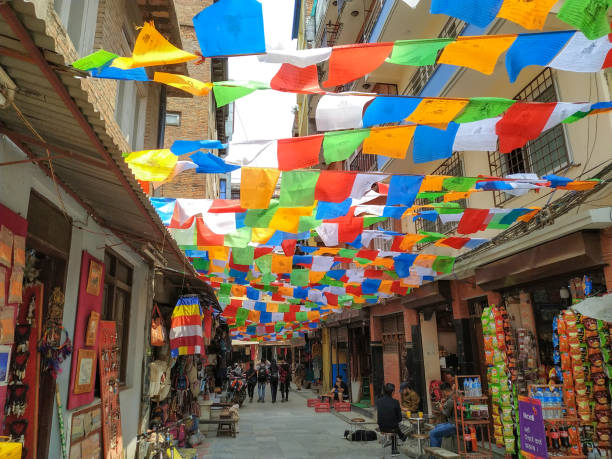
<point x="389" y="416"/>
<point x="340" y="390"/>
<point x="447" y="407"/>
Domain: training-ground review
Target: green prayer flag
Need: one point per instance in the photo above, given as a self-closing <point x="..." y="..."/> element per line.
<point x="417" y="52"/>
<point x="294" y="301"/>
<point x="307" y="223"/>
<point x="430" y="195"/>
<point x="283" y="307"/>
<point x="340" y="145"/>
<point x="459" y="183"/>
<point x="431" y="237"/>
<point x="225" y="289"/>
<point x="267" y="277"/>
<point x="588" y="16"/>
<point x="243" y="256"/>
<point x="298" y="188"/>
<point x="443" y="264"/>
<point x="95" y="60"/>
<point x="449" y="210"/>
<point x="369" y="221"/>
<point x="301" y="316"/>
<point x="278" y="326"/>
<point x="240" y="322"/>
<point x="575" y="117"/>
<point x="362" y="261"/>
<point x="299" y="277"/>
<point x="329" y="281"/>
<point x="260" y="218"/>
<point x="242" y="314"/>
<point x="201" y="264"/>
<point x="223" y="299"/>
<point x="480" y="108"/>
<point x="310" y="304"/>
<point x="184" y="236"/>
<point x="347" y="253"/>
<point x="264" y="264"/>
<point x="495" y="222"/>
<point x="356" y="306"/>
<point x="342" y="299"/>
<point x="226" y="92"/>
<point x="239" y="238"/>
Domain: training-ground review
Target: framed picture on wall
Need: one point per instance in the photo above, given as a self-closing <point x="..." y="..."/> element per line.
<point x="92" y="328"/>
<point x="5" y="361"/>
<point x="94" y="280"/>
<point x="86" y="367"/>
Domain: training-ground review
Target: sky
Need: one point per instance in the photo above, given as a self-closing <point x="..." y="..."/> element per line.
<point x="265" y="114"/>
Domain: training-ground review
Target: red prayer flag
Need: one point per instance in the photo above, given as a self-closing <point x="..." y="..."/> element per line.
<point x="289" y="247"/>
<point x="304" y="80"/>
<point x="383" y="188"/>
<point x="373" y="273"/>
<point x="521" y="123"/>
<point x="367" y="254"/>
<point x="289" y="316"/>
<point x="331" y="298"/>
<point x="294" y="308"/>
<point x="261" y="251"/>
<point x="398" y="289"/>
<point x="454" y="242"/>
<point x="226" y="206"/>
<point x="298" y="152"/>
<point x="354" y="290"/>
<point x="472" y="220"/>
<point x="205" y="236"/>
<point x="146" y="186"/>
<point x="277" y="297"/>
<point x="350" y="62"/>
<point x="333" y="186"/>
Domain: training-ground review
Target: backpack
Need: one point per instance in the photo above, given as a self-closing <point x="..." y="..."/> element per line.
<point x="274" y="374"/>
<point x="261" y="375"/>
<point x="361" y="435"/>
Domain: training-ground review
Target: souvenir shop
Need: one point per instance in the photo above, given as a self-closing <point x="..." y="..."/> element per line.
<point x="537" y="345"/>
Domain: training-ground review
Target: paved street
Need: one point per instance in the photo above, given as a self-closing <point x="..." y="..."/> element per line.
<point x="288" y="430"/>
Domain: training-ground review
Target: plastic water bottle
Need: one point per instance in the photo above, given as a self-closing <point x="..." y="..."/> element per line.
<point x="477" y="388"/>
<point x="558" y="404"/>
<point x="548" y="403"/>
<point x="468" y="387"/>
<point x="539" y="395"/>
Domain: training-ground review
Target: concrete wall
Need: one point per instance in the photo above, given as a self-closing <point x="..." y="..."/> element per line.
<point x="431" y="356"/>
<point x="16" y="183"/>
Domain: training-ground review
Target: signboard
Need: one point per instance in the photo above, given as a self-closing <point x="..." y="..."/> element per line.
<point x="531" y="422"/>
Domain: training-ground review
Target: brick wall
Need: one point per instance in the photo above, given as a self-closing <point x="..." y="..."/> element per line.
<point x="194" y="111"/>
<point x="391" y="367"/>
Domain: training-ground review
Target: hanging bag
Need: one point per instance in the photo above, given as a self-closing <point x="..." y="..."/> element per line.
<point x="158" y="331"/>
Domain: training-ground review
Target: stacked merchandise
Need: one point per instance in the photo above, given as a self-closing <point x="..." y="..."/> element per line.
<point x="583" y="356"/>
<point x="500" y="356"/>
<point x="527" y="360"/>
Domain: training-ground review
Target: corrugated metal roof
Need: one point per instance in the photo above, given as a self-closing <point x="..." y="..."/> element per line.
<point x="121" y="207"/>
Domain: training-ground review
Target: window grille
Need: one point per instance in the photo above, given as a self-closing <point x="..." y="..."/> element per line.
<point x="545" y="155"/>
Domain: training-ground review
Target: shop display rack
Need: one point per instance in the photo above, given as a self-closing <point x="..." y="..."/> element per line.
<point x="473" y="434"/>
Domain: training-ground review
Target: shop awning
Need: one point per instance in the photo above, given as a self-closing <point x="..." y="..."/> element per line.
<point x="74" y="123"/>
<point x="431" y="294"/>
<point x="568" y="254"/>
<point x="597" y="307"/>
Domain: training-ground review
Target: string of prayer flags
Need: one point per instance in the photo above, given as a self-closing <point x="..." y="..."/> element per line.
<point x="184" y="83"/>
<point x="151" y="49"/>
<point x="96" y="60"/>
<point x="182" y="147"/>
<point x="152" y="165"/>
<point x="207" y="163"/>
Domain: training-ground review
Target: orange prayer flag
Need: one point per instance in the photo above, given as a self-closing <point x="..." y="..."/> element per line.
<point x="350" y="62"/>
<point x="425" y="260"/>
<point x="531" y="14"/>
<point x="385" y="286"/>
<point x="272" y="307"/>
<point x="437" y="111"/>
<point x="253" y="316"/>
<point x="281" y="264"/>
<point x="432" y="183"/>
<point x="327" y="251"/>
<point x="313" y="315"/>
<point x="409" y="241"/>
<point x="389" y="141"/>
<point x="287" y="219"/>
<point x="456" y="195"/>
<point x="527" y="217"/>
<point x="314" y="276"/>
<point x="257" y="186"/>
<point x="303" y="80"/>
<point x="151" y="48"/>
<point x="478" y="53"/>
<point x="385" y="262"/>
<point x="238" y="290"/>
<point x="187" y="84"/>
<point x="286" y="291"/>
<point x="580" y="185"/>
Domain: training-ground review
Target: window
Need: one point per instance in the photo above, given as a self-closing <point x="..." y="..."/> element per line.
<point x="453" y="166"/>
<point x="79" y="19"/>
<point x="545" y="155"/>
<point x="116" y="303"/>
<point x="222" y="188"/>
<point x="173" y="118"/>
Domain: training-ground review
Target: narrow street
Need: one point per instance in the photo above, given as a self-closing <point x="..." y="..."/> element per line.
<point x="288" y="430"/>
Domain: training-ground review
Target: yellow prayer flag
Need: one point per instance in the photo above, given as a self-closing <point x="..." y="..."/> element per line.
<point x="152" y="165"/>
<point x="437" y="111"/>
<point x="314" y="276"/>
<point x="257" y="186"/>
<point x="530" y="14"/>
<point x="261" y="235"/>
<point x="151" y="48"/>
<point x="358" y="299"/>
<point x="216" y="269"/>
<point x="425" y="260"/>
<point x="389" y="141"/>
<point x="327" y="251"/>
<point x="479" y="53"/>
<point x="216" y="252"/>
<point x="385" y="286"/>
<point x="187" y="84"/>
<point x="456" y="195"/>
<point x="287" y="219"/>
<point x="253" y="316"/>
<point x="313" y="315"/>
<point x="281" y="264"/>
<point x="384" y="262"/>
<point x="285" y="291"/>
<point x="432" y="183"/>
<point x="272" y="307"/>
<point x="238" y="290"/>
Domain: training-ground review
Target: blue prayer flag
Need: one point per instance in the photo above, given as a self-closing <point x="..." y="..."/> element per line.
<point x="403" y="262"/>
<point x="431" y="143"/>
<point x="389" y="110"/>
<point x="370" y="286"/>
<point x="556" y="181"/>
<point x="534" y="49"/>
<point x="114" y="73"/>
<point x="164" y="208"/>
<point x="329" y="210"/>
<point x="182" y="147"/>
<point x="477" y="12"/>
<point x="211" y="164"/>
<point x="231" y="27"/>
<point x="403" y="189"/>
<point x="394" y="212"/>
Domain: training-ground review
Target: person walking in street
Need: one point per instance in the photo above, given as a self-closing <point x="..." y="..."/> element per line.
<point x="273" y="380"/>
<point x="299" y="376"/>
<point x="389" y="416"/>
<point x="262" y="380"/>
<point x="251" y="377"/>
<point x="284" y="373"/>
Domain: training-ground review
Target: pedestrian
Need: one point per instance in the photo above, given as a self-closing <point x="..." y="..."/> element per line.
<point x="251" y="376"/>
<point x="285" y="381"/>
<point x="299" y="376"/>
<point x="273" y="380"/>
<point x="262" y="380"/>
<point x="389" y="416"/>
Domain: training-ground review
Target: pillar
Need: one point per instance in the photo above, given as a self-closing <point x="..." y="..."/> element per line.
<point x="326" y="357"/>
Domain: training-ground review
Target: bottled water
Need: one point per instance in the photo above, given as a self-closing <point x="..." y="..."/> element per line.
<point x="477" y="388"/>
<point x="548" y="404"/>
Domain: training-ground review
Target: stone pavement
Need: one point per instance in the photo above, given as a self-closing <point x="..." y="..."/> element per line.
<point x="288" y="430"/>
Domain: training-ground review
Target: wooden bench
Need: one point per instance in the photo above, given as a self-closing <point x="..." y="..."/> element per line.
<point x="440" y="452"/>
<point x="225" y="426"/>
